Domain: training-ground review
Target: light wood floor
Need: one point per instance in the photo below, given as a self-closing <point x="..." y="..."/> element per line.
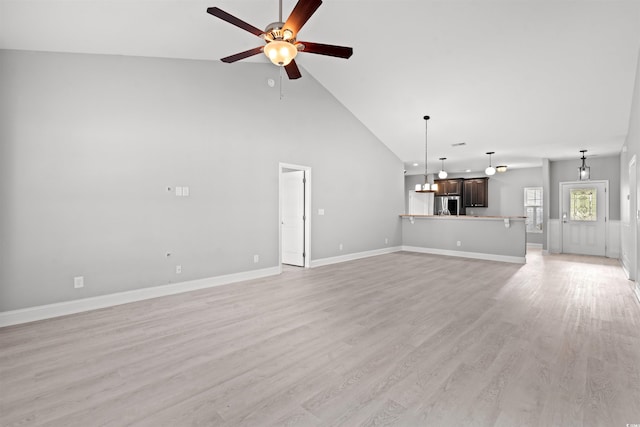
<point x="401" y="339"/>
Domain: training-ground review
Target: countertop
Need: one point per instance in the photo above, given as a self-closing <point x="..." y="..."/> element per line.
<point x="462" y="217"/>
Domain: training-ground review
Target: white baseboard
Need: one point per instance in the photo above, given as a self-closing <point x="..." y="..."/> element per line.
<point x="625" y="269"/>
<point x="637" y="290"/>
<point x="41" y="312"/>
<point x="475" y="255"/>
<point x="350" y="257"/>
<point x="534" y="245"/>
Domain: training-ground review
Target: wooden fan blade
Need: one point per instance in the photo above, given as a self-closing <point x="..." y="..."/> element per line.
<point x="292" y="70"/>
<point x="326" y="49"/>
<point x="301" y="14"/>
<point x="242" y="55"/>
<point x="219" y="13"/>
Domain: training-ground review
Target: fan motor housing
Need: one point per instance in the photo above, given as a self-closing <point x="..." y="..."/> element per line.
<point x="274" y="31"/>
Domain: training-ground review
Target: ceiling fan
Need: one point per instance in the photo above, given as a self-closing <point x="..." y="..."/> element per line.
<point x="282" y="45"/>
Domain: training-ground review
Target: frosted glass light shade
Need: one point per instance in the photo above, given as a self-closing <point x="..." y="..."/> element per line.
<point x="418" y="187"/>
<point x="280" y="52"/>
<point x="584" y="173"/>
<point x="490" y="170"/>
<point x="442" y="174"/>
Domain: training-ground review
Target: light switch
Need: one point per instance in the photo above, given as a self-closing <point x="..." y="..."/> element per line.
<point x="178" y="191"/>
<point x="320" y="211"/>
<point x="185" y="191"/>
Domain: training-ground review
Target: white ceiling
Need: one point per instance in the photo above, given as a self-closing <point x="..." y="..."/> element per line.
<point x="525" y="78"/>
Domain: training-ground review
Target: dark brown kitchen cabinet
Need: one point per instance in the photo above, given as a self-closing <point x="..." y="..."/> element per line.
<point x="448" y="187"/>
<point x="476" y="193"/>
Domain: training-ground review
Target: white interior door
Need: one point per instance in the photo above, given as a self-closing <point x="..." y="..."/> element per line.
<point x="584" y="210"/>
<point x="293" y="218"/>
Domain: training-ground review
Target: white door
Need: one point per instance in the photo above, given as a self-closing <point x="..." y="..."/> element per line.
<point x="293" y="218"/>
<point x="584" y="210"/>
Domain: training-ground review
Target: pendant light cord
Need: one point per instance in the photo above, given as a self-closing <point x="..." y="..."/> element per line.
<point x="426" y="119"/>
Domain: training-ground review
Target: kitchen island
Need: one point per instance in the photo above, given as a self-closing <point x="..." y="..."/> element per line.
<point x="497" y="238"/>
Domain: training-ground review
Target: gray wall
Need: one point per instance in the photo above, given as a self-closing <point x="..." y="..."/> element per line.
<point x="90" y="143"/>
<point x="602" y="168"/>
<point x="631" y="247"/>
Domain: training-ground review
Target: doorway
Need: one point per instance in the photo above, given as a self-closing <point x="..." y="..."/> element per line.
<point x="633" y="221"/>
<point x="294" y="214"/>
<point x="584" y="211"/>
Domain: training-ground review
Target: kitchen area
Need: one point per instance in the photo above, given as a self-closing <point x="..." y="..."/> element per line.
<point x="452" y="217"/>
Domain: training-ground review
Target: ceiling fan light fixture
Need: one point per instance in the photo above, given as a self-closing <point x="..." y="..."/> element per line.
<point x="280" y="52"/>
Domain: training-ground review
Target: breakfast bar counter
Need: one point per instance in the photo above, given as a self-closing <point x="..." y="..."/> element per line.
<point x="498" y="238"/>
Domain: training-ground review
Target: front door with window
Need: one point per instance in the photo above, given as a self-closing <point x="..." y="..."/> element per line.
<point x="583" y="215"/>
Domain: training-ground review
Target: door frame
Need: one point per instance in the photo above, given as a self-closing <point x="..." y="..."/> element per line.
<point x="633" y="218"/>
<point x="606" y="210"/>
<point x="307" y="211"/>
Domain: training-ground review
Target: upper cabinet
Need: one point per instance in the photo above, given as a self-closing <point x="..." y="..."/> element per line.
<point x="476" y="193"/>
<point x="449" y="187"/>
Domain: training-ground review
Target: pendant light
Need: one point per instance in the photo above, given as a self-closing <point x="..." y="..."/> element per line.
<point x="490" y="170"/>
<point x="443" y="173"/>
<point x="426" y="187"/>
<point x="584" y="171"/>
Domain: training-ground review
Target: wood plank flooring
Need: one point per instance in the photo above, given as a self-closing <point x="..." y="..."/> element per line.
<point x="401" y="339"/>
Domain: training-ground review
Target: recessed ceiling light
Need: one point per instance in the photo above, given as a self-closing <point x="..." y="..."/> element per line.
<point x="415" y="164"/>
<point x="459" y="144"/>
<point x="468" y="170"/>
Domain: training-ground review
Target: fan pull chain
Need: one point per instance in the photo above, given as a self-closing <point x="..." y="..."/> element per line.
<point x="281" y="94"/>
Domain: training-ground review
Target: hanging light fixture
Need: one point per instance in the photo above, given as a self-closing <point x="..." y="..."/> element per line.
<point x="490" y="170"/>
<point x="584" y="171"/>
<point x="426" y="187"/>
<point x="443" y="173"/>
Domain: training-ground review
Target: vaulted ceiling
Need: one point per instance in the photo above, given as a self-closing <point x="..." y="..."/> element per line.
<point x="525" y="78"/>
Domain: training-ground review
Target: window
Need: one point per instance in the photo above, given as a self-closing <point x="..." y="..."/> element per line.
<point x="583" y="204"/>
<point x="533" y="209"/>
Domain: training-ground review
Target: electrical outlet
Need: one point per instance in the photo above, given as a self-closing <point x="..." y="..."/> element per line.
<point x="458" y="243"/>
<point x="185" y="191"/>
<point x="256" y="258"/>
<point x="178" y="269"/>
<point x="320" y="211"/>
<point x="386" y="240"/>
<point x="78" y="282"/>
<point x="340" y="246"/>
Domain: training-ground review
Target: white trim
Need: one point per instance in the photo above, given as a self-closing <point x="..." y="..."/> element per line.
<point x="307" y="210"/>
<point x="534" y="245"/>
<point x="624" y="269"/>
<point x="475" y="255"/>
<point x="554" y="236"/>
<point x="41" y="312"/>
<point x="357" y="255"/>
<point x="637" y="290"/>
<point x="614" y="245"/>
